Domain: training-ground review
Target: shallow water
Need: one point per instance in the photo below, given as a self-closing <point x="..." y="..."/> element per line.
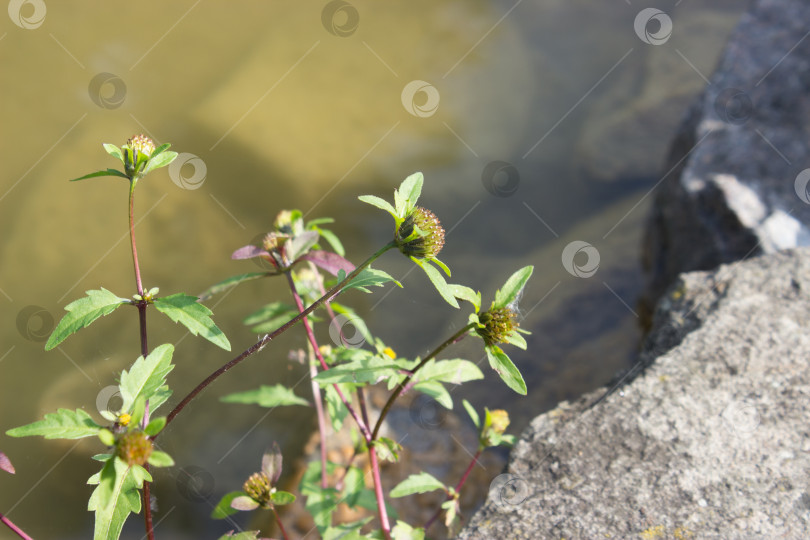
<point x="274" y="107"/>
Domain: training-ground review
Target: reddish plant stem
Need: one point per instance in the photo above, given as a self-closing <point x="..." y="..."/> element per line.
<point x="15" y="529"/>
<point x="269" y="337"/>
<point x="458" y="486"/>
<point x="378" y="492"/>
<point x="401" y="386"/>
<point x="146" y="496"/>
<point x="280" y="526"/>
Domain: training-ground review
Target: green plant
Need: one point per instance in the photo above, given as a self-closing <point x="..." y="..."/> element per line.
<point x="340" y="376"/>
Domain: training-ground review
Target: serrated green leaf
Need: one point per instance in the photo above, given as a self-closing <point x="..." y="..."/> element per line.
<point x="196" y="317"/>
<point x="353" y="483"/>
<point x="368" y="277"/>
<point x="379" y="203"/>
<point x="266" y="396"/>
<point x="244" y="535"/>
<point x="387" y="449"/>
<point x="366" y="370"/>
<point x="146" y="376"/>
<point x="63" y="424"/>
<point x="455" y="371"/>
<point x="160" y="459"/>
<point x="82" y="313"/>
<point x="321" y="504"/>
<point x="504" y="367"/>
<point x="114" y="151"/>
<point x="115" y="497"/>
<point x="438" y="281"/>
<point x="408" y="193"/>
<point x="465" y="293"/>
<point x="223" y="508"/>
<point x="347" y="531"/>
<point x="106" y="172"/>
<point x="160" y="397"/>
<point x="270" y="311"/>
<point x="403" y="531"/>
<point x="280" y="498"/>
<point x="511" y="289"/>
<point x="335" y="408"/>
<point x="232" y="281"/>
<point x="158" y="160"/>
<point x="472" y="412"/>
<point x="417" y="483"/>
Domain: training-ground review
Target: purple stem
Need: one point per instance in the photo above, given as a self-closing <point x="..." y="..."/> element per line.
<point x="10" y="524"/>
<point x="458" y="486"/>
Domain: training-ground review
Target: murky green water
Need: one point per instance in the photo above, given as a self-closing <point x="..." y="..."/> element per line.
<point x="278" y="105"/>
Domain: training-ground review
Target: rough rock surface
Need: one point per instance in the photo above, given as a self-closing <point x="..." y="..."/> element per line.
<point x="734" y="185"/>
<point x="711" y="441"/>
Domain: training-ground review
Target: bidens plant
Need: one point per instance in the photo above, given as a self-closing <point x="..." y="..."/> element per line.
<point x="312" y="261"/>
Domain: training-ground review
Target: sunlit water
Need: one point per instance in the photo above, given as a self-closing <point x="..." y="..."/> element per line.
<point x="278" y="106"/>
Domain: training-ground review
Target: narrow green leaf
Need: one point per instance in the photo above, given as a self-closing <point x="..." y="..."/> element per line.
<point x="353" y="483"/>
<point x="245" y="535"/>
<point x="408" y="193"/>
<point x="160" y="459"/>
<point x="472" y="412"/>
<point x="266" y="396"/>
<point x="379" y="203"/>
<point x="465" y="293"/>
<point x="269" y="311"/>
<point x="511" y="289"/>
<point x="417" y="483"/>
<point x="441" y="265"/>
<point x="367" y="370"/>
<point x="107" y="172"/>
<point x="114" y="151"/>
<point x="438" y="281"/>
<point x="333" y="240"/>
<point x="223" y="508"/>
<point x="517" y="340"/>
<point x="503" y="365"/>
<point x="244" y="503"/>
<point x="82" y="313"/>
<point x="159" y="160"/>
<point x="280" y="498"/>
<point x="63" y="424"/>
<point x="335" y="407"/>
<point x="155" y="426"/>
<point x="437" y="391"/>
<point x="146" y="376"/>
<point x="196" y="317"/>
<point x="232" y="282"/>
<point x="348" y="531"/>
<point x="354" y="319"/>
<point x="455" y="371"/>
<point x="115" y="497"/>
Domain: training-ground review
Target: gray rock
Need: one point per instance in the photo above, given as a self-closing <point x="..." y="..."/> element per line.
<point x="710" y="441"/>
<point x="734" y="185"/>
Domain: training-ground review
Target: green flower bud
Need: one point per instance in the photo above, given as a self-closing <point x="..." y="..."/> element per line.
<point x="137" y="152"/>
<point x="142" y="144"/>
<point x="258" y="488"/>
<point x="421" y="234"/>
<point x="496" y="423"/>
<point x="134" y="448"/>
<point x="498" y="324"/>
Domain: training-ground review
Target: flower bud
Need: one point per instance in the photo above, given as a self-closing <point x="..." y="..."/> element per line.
<point x="142" y="144"/>
<point x="257" y="487"/>
<point x="421" y="234"/>
<point x="137" y="152"/>
<point x="134" y="448"/>
<point x="498" y="324"/>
